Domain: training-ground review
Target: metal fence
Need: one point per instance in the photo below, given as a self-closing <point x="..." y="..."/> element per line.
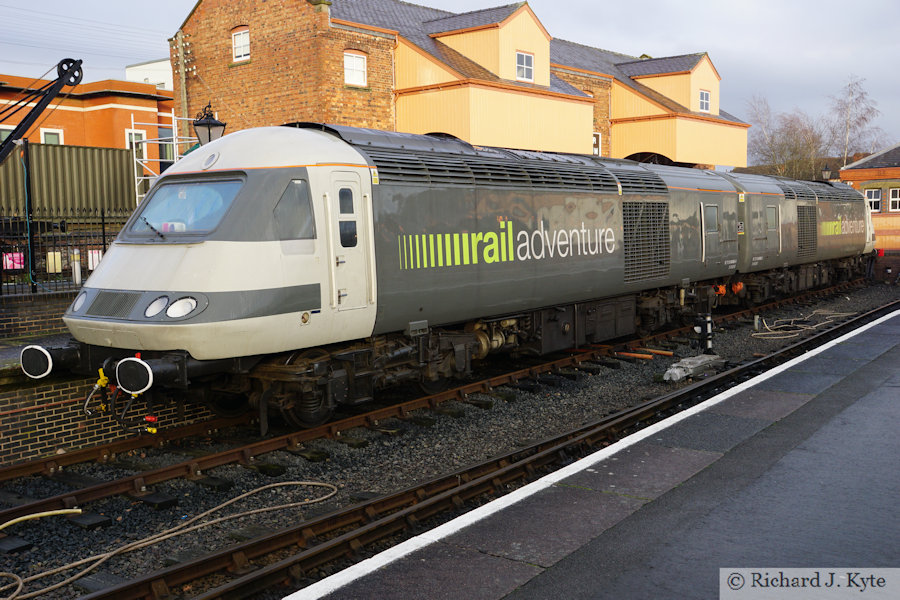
<point x="60" y="208"/>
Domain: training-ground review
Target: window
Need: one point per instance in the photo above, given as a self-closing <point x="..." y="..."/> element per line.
<point x="52" y="136"/>
<point x="293" y="213"/>
<point x="355" y="69"/>
<point x="596" y="148"/>
<point x="4" y="133"/>
<point x="166" y="148"/>
<point x="704" y="101"/>
<point x="895" y="200"/>
<point x="711" y="216"/>
<point x="240" y="43"/>
<point x="771" y="218"/>
<point x="524" y="66"/>
<point x="347" y="226"/>
<point x="185" y="207"/>
<point x="134" y="139"/>
<point x="874" y="198"/>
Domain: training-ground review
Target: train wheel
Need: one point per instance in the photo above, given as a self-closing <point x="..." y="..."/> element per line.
<point x="434" y="387"/>
<point x="308" y="411"/>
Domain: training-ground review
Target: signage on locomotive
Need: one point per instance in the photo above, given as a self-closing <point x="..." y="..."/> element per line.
<point x="506" y="244"/>
<point x="842" y="226"/>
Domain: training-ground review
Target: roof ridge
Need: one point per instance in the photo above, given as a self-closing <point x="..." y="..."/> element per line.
<point x="593" y="48"/>
<point x="449" y="13"/>
<point x="516" y="4"/>
<point x="646" y="60"/>
<point x="871" y="157"/>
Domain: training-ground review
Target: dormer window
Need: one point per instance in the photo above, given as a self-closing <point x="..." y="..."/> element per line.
<point x="240" y="43"/>
<point x="704" y="101"/>
<point x="524" y="66"/>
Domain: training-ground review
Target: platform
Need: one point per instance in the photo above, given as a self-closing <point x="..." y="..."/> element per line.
<point x="799" y="467"/>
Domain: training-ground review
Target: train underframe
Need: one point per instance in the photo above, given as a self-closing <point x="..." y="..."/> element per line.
<point x="306" y="386"/>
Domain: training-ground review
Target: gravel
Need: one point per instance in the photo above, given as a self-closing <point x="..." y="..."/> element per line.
<point x="386" y="464"/>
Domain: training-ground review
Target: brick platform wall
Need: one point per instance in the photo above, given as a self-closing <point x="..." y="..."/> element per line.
<point x="44" y="418"/>
<point x="22" y="316"/>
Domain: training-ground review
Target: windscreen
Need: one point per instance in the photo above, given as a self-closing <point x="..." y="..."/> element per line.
<point x="188" y="207"/>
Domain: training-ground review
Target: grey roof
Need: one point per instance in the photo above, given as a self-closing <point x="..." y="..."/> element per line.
<point x="415" y="23"/>
<point x="657" y="66"/>
<point x="885" y="159"/>
<point x="476" y="18"/>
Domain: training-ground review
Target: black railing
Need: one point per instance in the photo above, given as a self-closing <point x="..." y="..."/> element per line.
<point x="52" y="253"/>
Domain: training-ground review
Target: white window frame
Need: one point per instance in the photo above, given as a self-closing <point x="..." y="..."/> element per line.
<point x="873" y="196"/>
<point x="240" y="44"/>
<point x="705" y="98"/>
<point x="597" y="143"/>
<point x="139" y="143"/>
<point x="355" y="65"/>
<point x="44" y="133"/>
<point x="894" y="196"/>
<point x="7" y="129"/>
<point x="527" y="65"/>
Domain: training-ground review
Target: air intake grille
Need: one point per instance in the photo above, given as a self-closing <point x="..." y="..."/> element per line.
<point x="646" y="240"/>
<point x="640" y="181"/>
<point x="806" y="232"/>
<point x="796" y="191"/>
<point x="117" y="305"/>
<point x="449" y="169"/>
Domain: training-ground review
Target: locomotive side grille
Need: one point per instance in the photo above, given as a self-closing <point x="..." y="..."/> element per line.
<point x="440" y="168"/>
<point x="796" y="191"/>
<point x="117" y="305"/>
<point x="640" y="181"/>
<point x="806" y="232"/>
<point x="646" y="240"/>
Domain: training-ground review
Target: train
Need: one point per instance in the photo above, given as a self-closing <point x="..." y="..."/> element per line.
<point x="303" y="267"/>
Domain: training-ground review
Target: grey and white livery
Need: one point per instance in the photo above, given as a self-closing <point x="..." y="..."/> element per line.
<point x="306" y="266"/>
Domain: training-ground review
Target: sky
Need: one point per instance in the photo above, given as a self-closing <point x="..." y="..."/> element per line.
<point x="794" y="53"/>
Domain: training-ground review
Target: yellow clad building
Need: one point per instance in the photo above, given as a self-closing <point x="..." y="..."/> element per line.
<point x="492" y="77"/>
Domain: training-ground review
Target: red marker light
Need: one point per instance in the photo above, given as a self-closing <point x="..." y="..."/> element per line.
<point x="150" y="419"/>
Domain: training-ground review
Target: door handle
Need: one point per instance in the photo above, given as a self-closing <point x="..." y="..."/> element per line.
<point x="338" y="261"/>
<point x="341" y="295"/>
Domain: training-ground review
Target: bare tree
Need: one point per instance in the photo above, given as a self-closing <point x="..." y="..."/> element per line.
<point x="852" y="113"/>
<point x="788" y="144"/>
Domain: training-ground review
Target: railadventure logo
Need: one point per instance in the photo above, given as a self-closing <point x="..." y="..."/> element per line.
<point x="506" y="244"/>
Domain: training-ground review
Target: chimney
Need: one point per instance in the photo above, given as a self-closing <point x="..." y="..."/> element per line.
<point x="322" y="6"/>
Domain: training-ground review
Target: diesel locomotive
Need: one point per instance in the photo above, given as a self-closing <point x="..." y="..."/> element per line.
<point x="306" y="266"/>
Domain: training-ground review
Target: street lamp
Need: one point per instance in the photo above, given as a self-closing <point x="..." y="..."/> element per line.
<point x="207" y="127"/>
<point x="826" y="173"/>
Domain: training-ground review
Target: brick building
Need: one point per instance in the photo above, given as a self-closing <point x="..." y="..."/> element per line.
<point x="877" y="176"/>
<point x="99" y="114"/>
<point x="491" y="77"/>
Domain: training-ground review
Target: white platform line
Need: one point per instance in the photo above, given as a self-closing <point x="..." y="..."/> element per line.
<point x="363" y="568"/>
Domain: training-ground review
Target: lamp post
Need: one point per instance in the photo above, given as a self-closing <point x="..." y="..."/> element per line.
<point x="826" y="173"/>
<point x="207" y="127"/>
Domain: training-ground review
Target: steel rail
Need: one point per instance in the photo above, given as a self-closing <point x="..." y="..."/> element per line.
<point x="404" y="511"/>
<point x="137" y="484"/>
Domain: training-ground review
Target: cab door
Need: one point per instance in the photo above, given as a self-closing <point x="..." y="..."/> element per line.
<point x="349" y="242"/>
<point x="712" y="228"/>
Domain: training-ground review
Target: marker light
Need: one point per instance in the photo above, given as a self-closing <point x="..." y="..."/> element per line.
<point x="156" y="306"/>
<point x="181" y="307"/>
<point x="79" y="302"/>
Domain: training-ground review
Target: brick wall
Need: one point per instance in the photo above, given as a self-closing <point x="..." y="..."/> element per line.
<point x="600" y="89"/>
<point x="44" y="418"/>
<point x="23" y="316"/>
<point x="295" y="71"/>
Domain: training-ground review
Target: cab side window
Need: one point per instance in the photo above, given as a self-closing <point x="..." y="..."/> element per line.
<point x="347" y="218"/>
<point x="293" y="213"/>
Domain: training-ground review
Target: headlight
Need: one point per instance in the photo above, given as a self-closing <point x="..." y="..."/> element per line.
<point x="181" y="308"/>
<point x="79" y="302"/>
<point x="156" y="306"/>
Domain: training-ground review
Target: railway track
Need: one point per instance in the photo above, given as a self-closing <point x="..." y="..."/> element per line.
<point x="326" y="539"/>
<point x="344" y="534"/>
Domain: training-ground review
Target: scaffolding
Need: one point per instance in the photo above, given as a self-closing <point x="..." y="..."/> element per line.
<point x="171" y="149"/>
